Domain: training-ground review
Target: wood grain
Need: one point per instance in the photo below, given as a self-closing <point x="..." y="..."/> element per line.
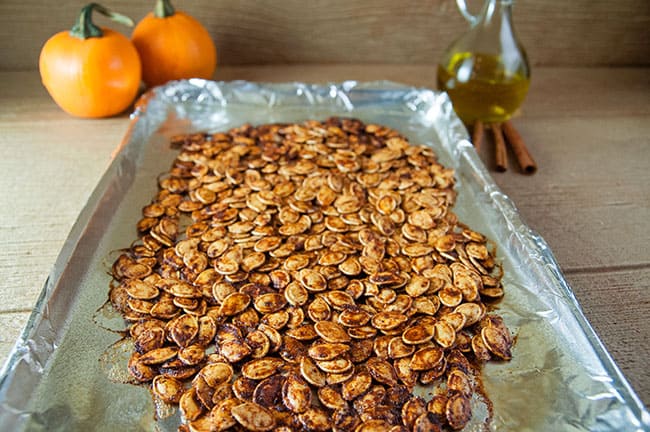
<point x="554" y="32"/>
<point x="588" y="130"/>
<point x="617" y="303"/>
<point x="11" y="324"/>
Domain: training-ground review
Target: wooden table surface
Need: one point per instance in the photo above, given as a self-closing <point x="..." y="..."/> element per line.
<point x="588" y="129"/>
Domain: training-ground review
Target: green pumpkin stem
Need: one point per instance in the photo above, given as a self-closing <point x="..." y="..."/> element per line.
<point x="84" y="28"/>
<point x="163" y="9"/>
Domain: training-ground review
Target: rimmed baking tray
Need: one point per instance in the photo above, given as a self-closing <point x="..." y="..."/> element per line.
<point x="61" y="374"/>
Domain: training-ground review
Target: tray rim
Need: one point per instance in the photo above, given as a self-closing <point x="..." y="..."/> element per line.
<point x="464" y="149"/>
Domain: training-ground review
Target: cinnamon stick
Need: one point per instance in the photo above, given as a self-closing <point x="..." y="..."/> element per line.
<point x="501" y="158"/>
<point x="477" y="134"/>
<point x="516" y="142"/>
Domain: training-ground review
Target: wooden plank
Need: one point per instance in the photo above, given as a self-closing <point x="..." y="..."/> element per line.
<point x="584" y="93"/>
<point x="555" y="32"/>
<point x="51" y="165"/>
<point x="12" y="324"/>
<point x="616" y="304"/>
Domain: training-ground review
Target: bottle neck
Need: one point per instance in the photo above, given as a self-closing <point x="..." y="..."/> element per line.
<point x="496" y="12"/>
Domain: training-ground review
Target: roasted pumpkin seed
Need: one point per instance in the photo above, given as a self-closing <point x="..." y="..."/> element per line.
<point x="217" y="373"/>
<point x="398" y="349"/>
<point x="221" y="415"/>
<point x="253" y="416"/>
<point x="327" y="351"/>
<point x="315" y="419"/>
<point x="168" y="389"/>
<point x="149" y="339"/>
<point x="259" y="343"/>
<point x="189" y="405"/>
<point x="184" y="329"/>
<point x="412" y="409"/>
<point x="497" y="341"/>
<point x="336" y="366"/>
<point x="458" y="411"/>
<point x="319" y="310"/>
<point x="296" y="394"/>
<point x="426" y="358"/>
<point x="158" y="356"/>
<point x="354" y="317"/>
<point x="268" y="391"/>
<point x="382" y="371"/>
<point x="269" y="303"/>
<point x="261" y="368"/>
<point x="331" y="332"/>
<point x="234" y="303"/>
<point x="192" y="355"/>
<point x="311" y="373"/>
<point x="356" y="386"/>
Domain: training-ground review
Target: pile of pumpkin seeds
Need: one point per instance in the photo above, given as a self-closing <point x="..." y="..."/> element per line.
<point x="308" y="277"/>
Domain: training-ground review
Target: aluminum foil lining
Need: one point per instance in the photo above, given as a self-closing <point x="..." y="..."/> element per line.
<point x="63" y="373"/>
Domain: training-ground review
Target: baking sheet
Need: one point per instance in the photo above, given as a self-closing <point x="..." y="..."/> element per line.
<point x="62" y="373"/>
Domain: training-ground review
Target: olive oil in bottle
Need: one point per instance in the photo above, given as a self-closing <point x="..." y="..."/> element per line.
<point x="485" y="71"/>
<point x="481" y="88"/>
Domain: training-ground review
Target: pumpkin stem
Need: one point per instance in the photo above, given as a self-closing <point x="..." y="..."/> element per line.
<point x="163" y="9"/>
<point x="84" y="28"/>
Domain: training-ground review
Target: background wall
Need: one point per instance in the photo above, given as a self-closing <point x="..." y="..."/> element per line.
<point x="554" y="32"/>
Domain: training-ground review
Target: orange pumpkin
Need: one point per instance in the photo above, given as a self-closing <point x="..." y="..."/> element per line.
<point x="172" y="46"/>
<point x="91" y="71"/>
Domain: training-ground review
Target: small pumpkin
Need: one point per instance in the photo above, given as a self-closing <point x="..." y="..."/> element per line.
<point x="91" y="71"/>
<point x="173" y="45"/>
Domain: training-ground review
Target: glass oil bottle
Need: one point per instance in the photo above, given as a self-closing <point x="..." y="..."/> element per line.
<point x="486" y="71"/>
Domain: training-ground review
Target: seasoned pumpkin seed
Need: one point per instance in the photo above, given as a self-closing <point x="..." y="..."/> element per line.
<point x="427" y="422"/>
<point x="140" y="371"/>
<point x="192" y="354"/>
<point x="149" y="339"/>
<point x="259" y="343"/>
<point x="497" y="341"/>
<point x="336" y="366"/>
<point x="331" y="332"/>
<point x="296" y="394"/>
<point x="261" y="368"/>
<point x="253" y="416"/>
<point x="268" y="392"/>
<point x="319" y="310"/>
<point x="327" y="351"/>
<point x="158" y="356"/>
<point x="269" y="303"/>
<point x="356" y="386"/>
<point x="382" y="371"/>
<point x="190" y="405"/>
<point x="426" y="358"/>
<point x="217" y="373"/>
<point x="398" y="349"/>
<point x="311" y="373"/>
<point x="168" y="389"/>
<point x="458" y="411"/>
<point x="234" y="303"/>
<point x="388" y="320"/>
<point x="316" y="419"/>
<point x="412" y="409"/>
<point x="221" y="414"/>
